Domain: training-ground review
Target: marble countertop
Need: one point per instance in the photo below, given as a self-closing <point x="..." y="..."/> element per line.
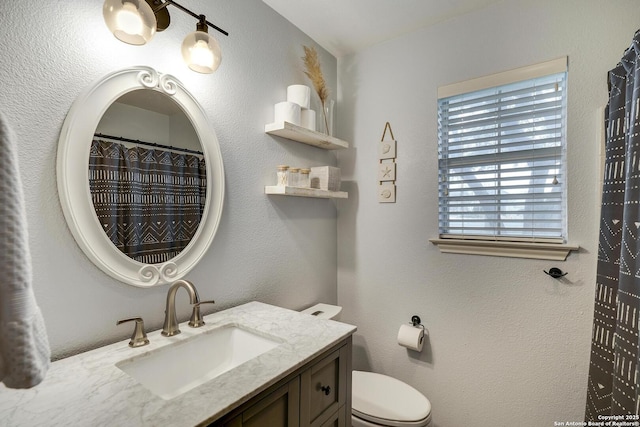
<point x="89" y="390"/>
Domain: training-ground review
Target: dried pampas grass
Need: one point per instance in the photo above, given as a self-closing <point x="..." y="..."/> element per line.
<point x="314" y="72"/>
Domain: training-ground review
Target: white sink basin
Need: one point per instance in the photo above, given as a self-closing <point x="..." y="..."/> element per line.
<point x="177" y="368"/>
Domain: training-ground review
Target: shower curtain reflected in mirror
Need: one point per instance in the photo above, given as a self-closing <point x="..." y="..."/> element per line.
<point x="613" y="386"/>
<point x="149" y="202"/>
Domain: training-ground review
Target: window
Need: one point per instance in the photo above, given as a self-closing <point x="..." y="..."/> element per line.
<point x="501" y="148"/>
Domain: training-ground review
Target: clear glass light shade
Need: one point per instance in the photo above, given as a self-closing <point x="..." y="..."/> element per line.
<point x="201" y="52"/>
<point x="131" y="21"/>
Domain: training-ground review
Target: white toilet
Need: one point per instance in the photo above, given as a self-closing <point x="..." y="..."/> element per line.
<point x="380" y="400"/>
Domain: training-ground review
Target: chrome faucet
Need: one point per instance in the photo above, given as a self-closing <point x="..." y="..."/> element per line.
<point x="170" y="327"/>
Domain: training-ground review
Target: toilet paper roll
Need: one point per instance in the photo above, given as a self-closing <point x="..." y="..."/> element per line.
<point x="308" y="119"/>
<point x="411" y="337"/>
<point x="287" y="112"/>
<point x="300" y="94"/>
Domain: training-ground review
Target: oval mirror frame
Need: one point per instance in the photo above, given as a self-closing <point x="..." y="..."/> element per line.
<point x="73" y="177"/>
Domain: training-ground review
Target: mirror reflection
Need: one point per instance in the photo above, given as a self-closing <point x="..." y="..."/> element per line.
<point x="147" y="176"/>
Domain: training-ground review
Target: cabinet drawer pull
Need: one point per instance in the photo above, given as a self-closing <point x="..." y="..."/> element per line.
<point x="326" y="389"/>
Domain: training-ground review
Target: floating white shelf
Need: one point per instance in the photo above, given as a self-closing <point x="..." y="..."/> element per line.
<point x="305" y="192"/>
<point x="306" y="136"/>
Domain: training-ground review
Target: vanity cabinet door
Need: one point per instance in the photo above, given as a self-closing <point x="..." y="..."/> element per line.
<point x="323" y="389"/>
<point x="338" y="419"/>
<point x="279" y="408"/>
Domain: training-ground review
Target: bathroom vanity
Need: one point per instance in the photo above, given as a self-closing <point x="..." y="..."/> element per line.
<point x="303" y="380"/>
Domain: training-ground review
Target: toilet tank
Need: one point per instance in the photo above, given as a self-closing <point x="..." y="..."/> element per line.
<point x="324" y="311"/>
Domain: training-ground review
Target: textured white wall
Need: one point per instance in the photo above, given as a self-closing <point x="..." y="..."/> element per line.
<point x="280" y="251"/>
<point x="508" y="345"/>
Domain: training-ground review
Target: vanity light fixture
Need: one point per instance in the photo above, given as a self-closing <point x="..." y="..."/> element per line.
<point x="136" y="21"/>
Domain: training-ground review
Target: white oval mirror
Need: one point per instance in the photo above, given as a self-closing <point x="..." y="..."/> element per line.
<point x="74" y="150"/>
<point x="147" y="176"/>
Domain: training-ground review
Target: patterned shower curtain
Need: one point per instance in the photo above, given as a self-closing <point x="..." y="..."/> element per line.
<point x="148" y="201"/>
<point x="614" y="383"/>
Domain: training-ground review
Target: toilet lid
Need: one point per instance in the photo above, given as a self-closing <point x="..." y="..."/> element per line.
<point x="383" y="397"/>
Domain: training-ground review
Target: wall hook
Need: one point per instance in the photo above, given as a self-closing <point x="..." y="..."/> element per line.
<point x="555" y="272"/>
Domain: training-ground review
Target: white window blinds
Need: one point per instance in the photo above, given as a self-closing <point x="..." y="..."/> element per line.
<point x="501" y="161"/>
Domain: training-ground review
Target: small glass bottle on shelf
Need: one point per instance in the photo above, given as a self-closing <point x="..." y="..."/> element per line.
<point x="304" y="178"/>
<point x="294" y="177"/>
<point x="283" y="175"/>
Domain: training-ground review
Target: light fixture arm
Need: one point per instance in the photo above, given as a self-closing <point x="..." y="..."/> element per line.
<point x="202" y="24"/>
<point x="159" y="5"/>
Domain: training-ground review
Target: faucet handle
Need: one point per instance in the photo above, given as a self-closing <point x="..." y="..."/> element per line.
<point x="139" y="337"/>
<point x="196" y="318"/>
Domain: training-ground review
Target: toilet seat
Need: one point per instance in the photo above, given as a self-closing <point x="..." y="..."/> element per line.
<point x="387" y="401"/>
<point x="360" y="422"/>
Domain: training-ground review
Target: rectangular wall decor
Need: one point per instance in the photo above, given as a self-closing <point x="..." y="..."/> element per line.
<point x="387" y="167"/>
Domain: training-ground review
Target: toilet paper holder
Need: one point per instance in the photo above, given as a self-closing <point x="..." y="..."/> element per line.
<point x="412" y="335"/>
<point x="416" y="322"/>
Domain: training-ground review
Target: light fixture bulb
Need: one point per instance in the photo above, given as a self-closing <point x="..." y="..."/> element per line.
<point x="128" y="19"/>
<point x="131" y="21"/>
<point x="201" y="52"/>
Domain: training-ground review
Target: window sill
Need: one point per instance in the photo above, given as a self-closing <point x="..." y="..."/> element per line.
<point x="552" y="251"/>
